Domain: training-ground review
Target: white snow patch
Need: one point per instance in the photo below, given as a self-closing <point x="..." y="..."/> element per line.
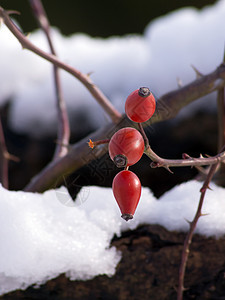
<point x="41" y="238"/>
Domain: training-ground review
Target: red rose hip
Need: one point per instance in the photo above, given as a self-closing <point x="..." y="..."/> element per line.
<point x="126" y="147"/>
<point x="140" y="105"/>
<point x="127" y="192"/>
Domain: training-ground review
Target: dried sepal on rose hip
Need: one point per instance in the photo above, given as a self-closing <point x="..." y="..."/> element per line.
<point x="140" y="105"/>
<point x="126" y="147"/>
<point x="127" y="192"/>
<point x="92" y="144"/>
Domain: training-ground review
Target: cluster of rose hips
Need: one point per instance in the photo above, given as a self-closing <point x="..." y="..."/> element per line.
<point x="126" y="148"/>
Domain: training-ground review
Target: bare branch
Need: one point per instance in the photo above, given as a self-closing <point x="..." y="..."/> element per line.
<point x="79" y="155"/>
<point x="187" y="161"/>
<point x="189" y="236"/>
<point x="85" y="79"/>
<point x="169" y="105"/>
<point x="3" y="159"/>
<point x="63" y="135"/>
<point x="221" y="117"/>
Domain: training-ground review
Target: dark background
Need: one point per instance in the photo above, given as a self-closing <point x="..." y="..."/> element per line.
<point x="99" y="18"/>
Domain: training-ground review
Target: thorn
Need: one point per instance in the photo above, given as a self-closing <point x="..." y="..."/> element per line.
<point x="13" y="12"/>
<point x="201" y="156"/>
<point x="204" y="215"/>
<point x="168" y="169"/>
<point x="185" y="156"/>
<point x="90" y="73"/>
<point x="11" y="157"/>
<point x="210" y="188"/>
<point x="179" y="82"/>
<point x="28" y="35"/>
<point x="204" y="188"/>
<point x="208" y="155"/>
<point x="197" y="72"/>
<point x="189" y="222"/>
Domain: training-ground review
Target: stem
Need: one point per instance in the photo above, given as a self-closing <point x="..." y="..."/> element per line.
<point x="78" y="156"/>
<point x="167" y="163"/>
<point x="171" y="103"/>
<point x="85" y="79"/>
<point x="221" y="117"/>
<point x="189" y="236"/>
<point x="146" y="141"/>
<point x="3" y="159"/>
<point x="63" y="122"/>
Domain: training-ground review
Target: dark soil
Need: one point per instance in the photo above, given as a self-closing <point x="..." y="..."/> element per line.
<point x="148" y="270"/>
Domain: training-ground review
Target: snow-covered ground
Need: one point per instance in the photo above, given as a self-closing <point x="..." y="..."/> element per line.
<point x="164" y="52"/>
<point x="44" y="235"/>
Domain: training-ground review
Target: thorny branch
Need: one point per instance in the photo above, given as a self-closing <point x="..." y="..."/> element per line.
<point x="157" y="161"/>
<point x="5" y="156"/>
<point x="189" y="236"/>
<point x="3" y="159"/>
<point x="168" y="107"/>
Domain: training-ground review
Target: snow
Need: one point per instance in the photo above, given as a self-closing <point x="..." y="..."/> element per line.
<point x="44" y="235"/>
<point x="164" y="52"/>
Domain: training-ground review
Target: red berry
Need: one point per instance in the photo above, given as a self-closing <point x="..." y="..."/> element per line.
<point x="127" y="145"/>
<point x="140" y="105"/>
<point x="127" y="191"/>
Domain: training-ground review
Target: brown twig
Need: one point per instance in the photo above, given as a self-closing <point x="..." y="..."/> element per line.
<point x="63" y="135"/>
<point x="85" y="79"/>
<point x="80" y="154"/>
<point x="171" y="103"/>
<point x="158" y="161"/>
<point x="3" y="159"/>
<point x="144" y="135"/>
<point x="168" y="103"/>
<point x="168" y="107"/>
<point x="221" y="117"/>
<point x="189" y="236"/>
<point x="221" y="114"/>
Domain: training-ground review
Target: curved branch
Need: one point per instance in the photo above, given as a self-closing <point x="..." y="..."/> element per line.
<point x="85" y="79"/>
<point x="63" y="134"/>
<point x="187" y="161"/>
<point x="80" y="154"/>
<point x="3" y="159"/>
<point x="171" y="103"/>
<point x="193" y="224"/>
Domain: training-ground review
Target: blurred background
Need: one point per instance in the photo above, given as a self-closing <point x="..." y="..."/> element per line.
<point x="99" y="18"/>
